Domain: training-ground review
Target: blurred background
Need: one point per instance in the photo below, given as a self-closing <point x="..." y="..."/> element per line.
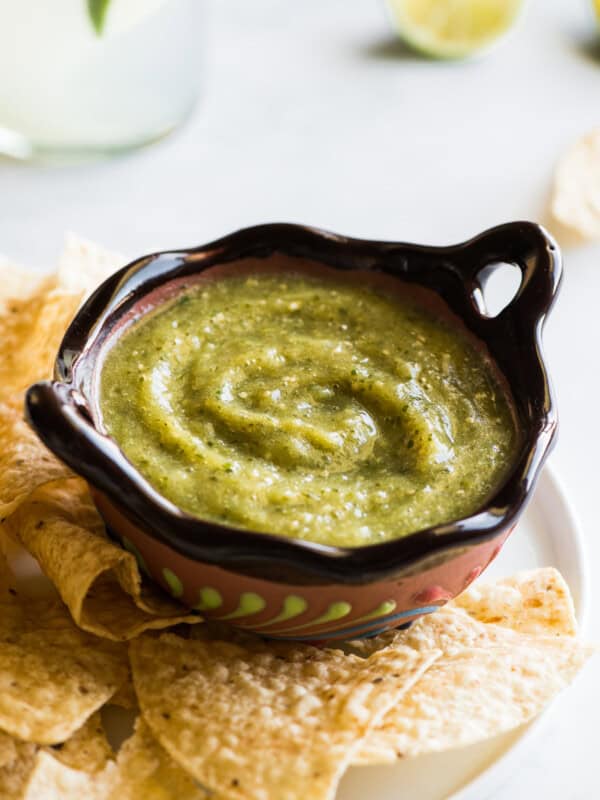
<point x="311" y="112"/>
<point x="316" y="112"/>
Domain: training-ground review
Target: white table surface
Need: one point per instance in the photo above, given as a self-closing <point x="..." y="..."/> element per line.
<point x="312" y="114"/>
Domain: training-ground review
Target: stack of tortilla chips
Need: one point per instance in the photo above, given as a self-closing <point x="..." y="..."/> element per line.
<point x="217" y="713"/>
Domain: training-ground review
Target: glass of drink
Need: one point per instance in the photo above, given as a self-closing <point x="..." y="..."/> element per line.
<point x="85" y="78"/>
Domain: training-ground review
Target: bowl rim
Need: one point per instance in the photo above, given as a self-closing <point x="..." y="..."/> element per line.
<point x="60" y="410"/>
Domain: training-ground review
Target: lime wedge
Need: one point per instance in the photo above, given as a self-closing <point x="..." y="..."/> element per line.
<point x="453" y="28"/>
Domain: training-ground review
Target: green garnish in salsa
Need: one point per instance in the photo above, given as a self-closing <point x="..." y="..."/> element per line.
<point x="319" y="410"/>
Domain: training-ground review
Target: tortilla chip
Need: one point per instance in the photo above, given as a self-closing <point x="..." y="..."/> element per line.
<point x="30" y="332"/>
<point x="576" y="194"/>
<point x="83" y="265"/>
<point x="279" y="721"/>
<point x="146" y="771"/>
<point x="125" y="697"/>
<point x="53" y="676"/>
<point x="19" y="761"/>
<point x="87" y="749"/>
<point x="50" y="779"/>
<point x="19" y="283"/>
<point x="7" y="749"/>
<point x="508" y="648"/>
<point x="16" y="762"/>
<point x="99" y="581"/>
<point x="25" y="464"/>
<point x="474" y="694"/>
<point x="114" y="610"/>
<point x="84" y="769"/>
<point x="35" y="311"/>
<point x="533" y="602"/>
<point x="8" y="582"/>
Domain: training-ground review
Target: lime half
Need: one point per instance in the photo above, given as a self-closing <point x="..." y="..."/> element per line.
<point x="453" y="28"/>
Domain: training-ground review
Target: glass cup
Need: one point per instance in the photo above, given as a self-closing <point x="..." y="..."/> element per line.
<point x="85" y="78"/>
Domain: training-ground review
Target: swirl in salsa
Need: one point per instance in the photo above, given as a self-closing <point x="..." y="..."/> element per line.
<point x="320" y="410"/>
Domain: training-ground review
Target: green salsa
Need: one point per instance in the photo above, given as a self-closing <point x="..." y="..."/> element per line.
<point x="331" y="411"/>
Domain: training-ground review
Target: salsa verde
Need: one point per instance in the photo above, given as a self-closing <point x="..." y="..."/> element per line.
<point x="292" y="404"/>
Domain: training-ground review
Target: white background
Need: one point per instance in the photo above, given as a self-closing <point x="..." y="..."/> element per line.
<point x="311" y="113"/>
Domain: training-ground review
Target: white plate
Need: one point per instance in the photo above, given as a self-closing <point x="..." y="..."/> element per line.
<point x="548" y="535"/>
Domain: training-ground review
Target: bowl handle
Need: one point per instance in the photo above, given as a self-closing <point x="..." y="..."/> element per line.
<point x="62" y="423"/>
<point x="534" y="251"/>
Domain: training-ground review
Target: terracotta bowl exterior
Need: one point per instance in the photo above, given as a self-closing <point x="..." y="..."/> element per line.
<point x="281" y="587"/>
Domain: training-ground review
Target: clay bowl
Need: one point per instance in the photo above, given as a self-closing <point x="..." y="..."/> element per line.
<point x="277" y="586"/>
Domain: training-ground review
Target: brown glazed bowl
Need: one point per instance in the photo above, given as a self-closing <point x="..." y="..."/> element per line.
<point x="274" y="585"/>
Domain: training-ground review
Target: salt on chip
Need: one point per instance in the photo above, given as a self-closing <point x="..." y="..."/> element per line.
<point x="282" y="721"/>
<point x="53" y="676"/>
<point x="99" y="581"/>
<point x="576" y="193"/>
